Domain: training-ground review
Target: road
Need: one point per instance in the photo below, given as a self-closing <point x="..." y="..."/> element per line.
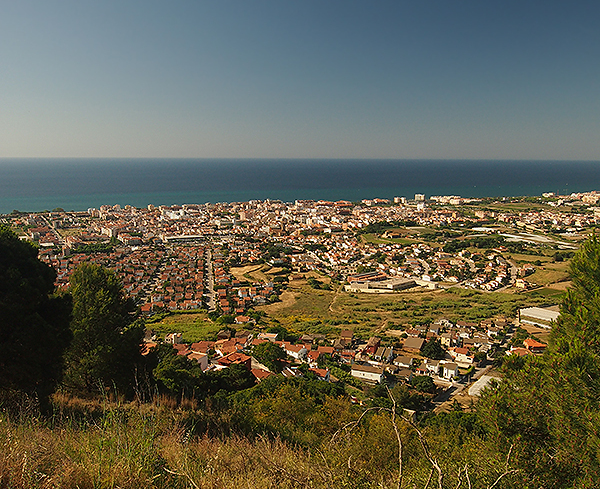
<point x="210" y="281"/>
<point x="456" y="388"/>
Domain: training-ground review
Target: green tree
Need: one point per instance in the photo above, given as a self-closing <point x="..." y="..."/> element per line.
<point x="270" y="355"/>
<point x="433" y="349"/>
<point x="423" y="383"/>
<point x="106" y="337"/>
<point x="176" y="374"/>
<point x="34" y="323"/>
<point x="548" y="407"/>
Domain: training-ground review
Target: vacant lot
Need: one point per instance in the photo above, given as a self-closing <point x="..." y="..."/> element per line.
<point x="194" y="326"/>
<point x="305" y="309"/>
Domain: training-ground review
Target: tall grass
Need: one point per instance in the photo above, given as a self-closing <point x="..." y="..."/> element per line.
<point x="102" y="444"/>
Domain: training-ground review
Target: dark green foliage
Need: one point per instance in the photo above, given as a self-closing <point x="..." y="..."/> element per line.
<point x="423" y="383"/>
<point x="176" y="374"/>
<point x="106" y="338"/>
<point x="315" y="247"/>
<point x="405" y="397"/>
<point x="34" y="325"/>
<point x="481" y="242"/>
<point x="300" y="410"/>
<point x="317" y="284"/>
<point x="225" y="319"/>
<point x="549" y="407"/>
<point x="89" y="249"/>
<point x="183" y="378"/>
<point x="433" y="349"/>
<point x="283" y="334"/>
<point x="270" y="355"/>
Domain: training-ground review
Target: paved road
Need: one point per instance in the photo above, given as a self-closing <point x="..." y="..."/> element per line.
<point x="456" y="388"/>
<point x="210" y="281"/>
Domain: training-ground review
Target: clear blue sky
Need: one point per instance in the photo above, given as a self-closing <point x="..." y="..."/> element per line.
<point x="300" y="79"/>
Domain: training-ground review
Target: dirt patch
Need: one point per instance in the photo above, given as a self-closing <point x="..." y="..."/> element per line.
<point x="253" y="273"/>
<point x="560" y="285"/>
<point x="287" y="299"/>
<point x="541" y="334"/>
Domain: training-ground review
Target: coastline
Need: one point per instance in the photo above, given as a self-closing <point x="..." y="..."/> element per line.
<point x="32" y="185"/>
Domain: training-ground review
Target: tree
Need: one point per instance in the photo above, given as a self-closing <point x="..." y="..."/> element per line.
<point x="423" y="383"/>
<point x="106" y="338"/>
<point x="433" y="349"/>
<point x="270" y="355"/>
<point x="548" y="407"/>
<point x="34" y="323"/>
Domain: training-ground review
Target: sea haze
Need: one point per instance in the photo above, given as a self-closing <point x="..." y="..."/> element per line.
<point x="77" y="184"/>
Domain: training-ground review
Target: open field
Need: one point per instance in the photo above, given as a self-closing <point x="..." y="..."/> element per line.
<point x="195" y="326"/>
<point x="549" y="275"/>
<point x="540" y="334"/>
<point x="319" y="311"/>
<point x="255" y="273"/>
<point x="251" y="273"/>
<point x="377" y="239"/>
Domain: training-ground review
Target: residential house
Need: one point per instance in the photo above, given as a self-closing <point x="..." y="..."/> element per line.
<point x="200" y="358"/>
<point x="449" y="370"/>
<point x="534" y="346"/>
<point x="367" y="373"/>
<point x="413" y="344"/>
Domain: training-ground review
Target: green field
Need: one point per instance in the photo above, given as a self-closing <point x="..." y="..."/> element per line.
<point x="195" y="326"/>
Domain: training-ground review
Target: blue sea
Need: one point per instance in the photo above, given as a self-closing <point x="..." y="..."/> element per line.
<point x="78" y="184"/>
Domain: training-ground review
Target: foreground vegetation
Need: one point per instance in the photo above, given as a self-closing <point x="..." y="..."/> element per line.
<point x="117" y="420"/>
<point x="287" y="440"/>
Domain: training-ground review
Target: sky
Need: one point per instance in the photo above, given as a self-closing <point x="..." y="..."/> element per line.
<point x="431" y="79"/>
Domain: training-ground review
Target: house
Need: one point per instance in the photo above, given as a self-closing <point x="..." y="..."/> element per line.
<point x="182" y="349"/>
<point x="521" y="352"/>
<point x="243" y="320"/>
<point x="236" y="358"/>
<point x="384" y="354"/>
<point x="433" y="367"/>
<point x="320" y="373"/>
<point x="174" y="338"/>
<point x="260" y="374"/>
<point x="372" y="345"/>
<point x="534" y="346"/>
<point x="367" y="373"/>
<point x="538" y="316"/>
<point x="403" y="361"/>
<point x="461" y="357"/>
<point x="449" y="370"/>
<point x="404" y="374"/>
<point x="267" y="336"/>
<point x="447" y="339"/>
<point x="346" y="337"/>
<point x="291" y="372"/>
<point x="202" y="346"/>
<point x="299" y="352"/>
<point x="200" y="358"/>
<point x="413" y="344"/>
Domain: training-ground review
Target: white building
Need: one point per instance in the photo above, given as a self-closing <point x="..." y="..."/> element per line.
<point x="367" y="372"/>
<point x="537" y="316"/>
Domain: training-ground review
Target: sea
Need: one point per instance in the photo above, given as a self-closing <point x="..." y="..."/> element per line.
<point x="34" y="184"/>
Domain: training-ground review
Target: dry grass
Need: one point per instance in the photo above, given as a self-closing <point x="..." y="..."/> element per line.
<point x="151" y="446"/>
<point x="127" y="450"/>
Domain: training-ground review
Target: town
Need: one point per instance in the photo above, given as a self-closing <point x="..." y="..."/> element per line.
<point x="217" y="280"/>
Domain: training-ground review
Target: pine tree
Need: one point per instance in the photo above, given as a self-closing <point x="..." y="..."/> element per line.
<point x="34" y="323"/>
<point x="106" y="336"/>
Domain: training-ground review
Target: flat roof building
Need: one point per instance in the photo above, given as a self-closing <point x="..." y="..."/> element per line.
<point x="538" y="316"/>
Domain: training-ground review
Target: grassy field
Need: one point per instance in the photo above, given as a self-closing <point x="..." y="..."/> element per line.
<point x="326" y="312"/>
<point x="305" y="309"/>
<point x="195" y="326"/>
<point x="377" y="239"/>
